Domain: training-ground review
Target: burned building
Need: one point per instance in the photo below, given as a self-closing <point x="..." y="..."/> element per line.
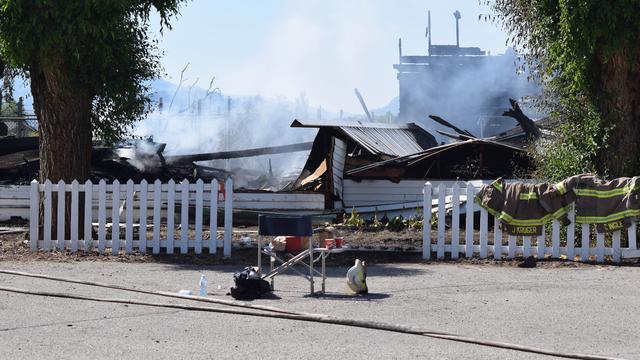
<point x="382" y="168"/>
<point x="465" y="85"/>
<point x="340" y="146"/>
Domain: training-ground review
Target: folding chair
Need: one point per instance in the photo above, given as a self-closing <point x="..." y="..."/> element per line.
<point x="280" y="225"/>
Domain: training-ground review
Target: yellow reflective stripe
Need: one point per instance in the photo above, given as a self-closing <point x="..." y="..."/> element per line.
<point x="601" y="194"/>
<point x="498" y="186"/>
<point x="561" y="188"/>
<point x="540" y="221"/>
<point x="509" y="219"/>
<point x="528" y="196"/>
<point x="609" y="218"/>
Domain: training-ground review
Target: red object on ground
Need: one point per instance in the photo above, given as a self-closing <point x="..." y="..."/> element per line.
<point x="329" y="243"/>
<point x="339" y="242"/>
<point x="293" y="243"/>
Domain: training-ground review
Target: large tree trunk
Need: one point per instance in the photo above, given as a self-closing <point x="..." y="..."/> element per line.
<point x="620" y="106"/>
<point x="64" y="126"/>
<point x="64" y="119"/>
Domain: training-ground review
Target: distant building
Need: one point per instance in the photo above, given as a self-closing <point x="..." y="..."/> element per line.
<point x="464" y="85"/>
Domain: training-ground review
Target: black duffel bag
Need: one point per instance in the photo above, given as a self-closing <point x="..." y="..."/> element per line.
<point x="249" y="285"/>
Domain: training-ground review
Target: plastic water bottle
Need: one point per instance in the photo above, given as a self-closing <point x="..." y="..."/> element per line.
<point x="203" y="285"/>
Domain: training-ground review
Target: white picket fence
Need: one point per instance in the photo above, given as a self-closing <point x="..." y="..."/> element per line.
<point x="125" y="207"/>
<point x="484" y="243"/>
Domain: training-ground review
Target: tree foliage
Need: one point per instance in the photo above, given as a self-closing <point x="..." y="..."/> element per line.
<point x="99" y="49"/>
<point x="574" y="145"/>
<point x="586" y="52"/>
<point x="566" y="40"/>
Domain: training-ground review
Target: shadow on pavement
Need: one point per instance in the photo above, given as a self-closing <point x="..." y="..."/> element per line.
<point x="352" y="297"/>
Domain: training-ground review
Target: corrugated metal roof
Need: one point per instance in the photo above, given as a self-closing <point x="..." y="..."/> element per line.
<point x="378" y="138"/>
<point x="395" y="142"/>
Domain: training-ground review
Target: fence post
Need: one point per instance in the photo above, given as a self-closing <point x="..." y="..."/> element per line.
<point x="199" y="203"/>
<point x="213" y="218"/>
<point x="115" y="217"/>
<point x="102" y="215"/>
<point x="571" y="236"/>
<point x="47" y="215"/>
<point x="497" y="239"/>
<point x="88" y="215"/>
<point x="484" y="233"/>
<point x="171" y="208"/>
<point x="600" y="247"/>
<point x="442" y="190"/>
<point x="632" y="236"/>
<point x="455" y="221"/>
<point x="511" y="240"/>
<point x="142" y="233"/>
<point x="584" y="256"/>
<point x="157" y="207"/>
<point x="128" y="236"/>
<point x="470" y="214"/>
<point x="555" y="240"/>
<point x="541" y="243"/>
<point x="228" y="217"/>
<point x="526" y="246"/>
<point x="74" y="215"/>
<point x="61" y="215"/>
<point x="34" y="214"/>
<point x="426" y="221"/>
<point x="184" y="216"/>
<point x="616" y="246"/>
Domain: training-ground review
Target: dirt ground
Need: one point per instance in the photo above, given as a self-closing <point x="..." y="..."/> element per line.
<point x="377" y="247"/>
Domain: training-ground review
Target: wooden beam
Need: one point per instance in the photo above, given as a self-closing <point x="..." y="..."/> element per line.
<point x="181" y="159"/>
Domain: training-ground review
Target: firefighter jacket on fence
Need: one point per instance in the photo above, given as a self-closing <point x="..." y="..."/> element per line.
<point x="524" y="208"/>
<point x="611" y="205"/>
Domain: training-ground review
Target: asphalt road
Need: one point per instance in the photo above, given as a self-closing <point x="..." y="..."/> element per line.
<point x="593" y="309"/>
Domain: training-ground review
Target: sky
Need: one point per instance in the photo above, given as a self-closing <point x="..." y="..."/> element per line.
<point x="323" y="48"/>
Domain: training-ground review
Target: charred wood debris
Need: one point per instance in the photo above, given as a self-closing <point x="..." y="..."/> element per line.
<point x="141" y="160"/>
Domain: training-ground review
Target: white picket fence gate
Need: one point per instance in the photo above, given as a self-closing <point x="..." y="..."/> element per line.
<point x="477" y="243"/>
<point x="131" y="206"/>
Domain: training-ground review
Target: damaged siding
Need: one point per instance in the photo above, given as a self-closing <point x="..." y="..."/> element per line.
<point x="338" y="160"/>
<point x="386" y="197"/>
<point x="381" y="192"/>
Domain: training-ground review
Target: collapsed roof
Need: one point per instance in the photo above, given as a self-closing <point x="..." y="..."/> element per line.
<point x="465" y="160"/>
<point x="343" y="145"/>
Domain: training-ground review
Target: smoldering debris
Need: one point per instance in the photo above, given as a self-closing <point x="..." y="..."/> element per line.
<point x="144" y="160"/>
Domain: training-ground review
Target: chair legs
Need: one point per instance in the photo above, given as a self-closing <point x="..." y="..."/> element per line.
<point x="260" y="255"/>
<point x="272" y="261"/>
<point x="311" y="265"/>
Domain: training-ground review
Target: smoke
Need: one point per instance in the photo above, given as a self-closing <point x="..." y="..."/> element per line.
<point x="213" y="123"/>
<point x="469" y="91"/>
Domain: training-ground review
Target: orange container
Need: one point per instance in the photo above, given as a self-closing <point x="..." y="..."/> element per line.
<point x="339" y="242"/>
<point x="329" y="243"/>
<point x="293" y="243"/>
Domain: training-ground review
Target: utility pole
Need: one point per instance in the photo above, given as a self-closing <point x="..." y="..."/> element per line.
<point x="457" y="16"/>
<point x="428" y="32"/>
